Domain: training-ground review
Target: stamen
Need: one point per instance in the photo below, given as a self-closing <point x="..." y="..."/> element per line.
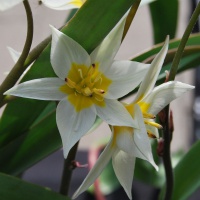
<point x="153" y="124"/>
<point x="150" y="134"/>
<point x="148" y="115"/>
<point x="99" y="91"/>
<point x="98" y="98"/>
<point x="91" y="70"/>
<point x="87" y="92"/>
<point x="81" y="73"/>
<point x="70" y="83"/>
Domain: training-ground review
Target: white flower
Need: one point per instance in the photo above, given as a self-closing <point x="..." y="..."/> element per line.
<point x="128" y="143"/>
<point x="53" y="4"/>
<point x="87" y="85"/>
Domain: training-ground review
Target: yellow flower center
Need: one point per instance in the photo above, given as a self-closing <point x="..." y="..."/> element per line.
<point x="85" y="86"/>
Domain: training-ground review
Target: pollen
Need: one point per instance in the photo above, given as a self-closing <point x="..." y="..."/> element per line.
<point x="151" y="123"/>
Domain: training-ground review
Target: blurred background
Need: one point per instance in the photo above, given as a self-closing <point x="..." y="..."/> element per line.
<point x="139" y="38"/>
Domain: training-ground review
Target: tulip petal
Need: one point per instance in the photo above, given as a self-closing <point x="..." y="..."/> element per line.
<point x="5" y="4"/>
<point x="65" y="52"/>
<point x="151" y="76"/>
<point x="163" y="95"/>
<point x="124" y="165"/>
<point x="106" y="51"/>
<point x="73" y="125"/>
<point x="114" y="113"/>
<point x="141" y="139"/>
<point x="43" y="89"/>
<point x="62" y="4"/>
<point x="14" y="54"/>
<point x="96" y="170"/>
<point x="125" y="76"/>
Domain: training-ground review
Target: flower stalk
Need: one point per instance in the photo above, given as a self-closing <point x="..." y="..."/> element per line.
<point x="67" y="170"/>
<point x="19" y="68"/>
<point x="167" y="134"/>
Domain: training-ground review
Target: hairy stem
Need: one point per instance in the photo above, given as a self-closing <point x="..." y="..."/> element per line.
<point x="19" y="68"/>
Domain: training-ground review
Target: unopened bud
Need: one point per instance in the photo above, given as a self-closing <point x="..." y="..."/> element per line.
<point x="160" y="147"/>
<point x="75" y="164"/>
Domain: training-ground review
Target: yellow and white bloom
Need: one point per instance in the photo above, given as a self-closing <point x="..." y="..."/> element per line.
<point x="87" y="85"/>
<point x="53" y="4"/>
<point x="127" y="143"/>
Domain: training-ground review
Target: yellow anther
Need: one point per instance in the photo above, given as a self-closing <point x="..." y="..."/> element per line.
<point x="150" y="134"/>
<point x="70" y="83"/>
<point x="91" y="70"/>
<point x="99" y="91"/>
<point x="148" y="115"/>
<point x="151" y="123"/>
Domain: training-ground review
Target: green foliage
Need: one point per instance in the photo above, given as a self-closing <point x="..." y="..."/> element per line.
<point x="15" y="189"/>
<point x="187" y="174"/>
<point x="164" y="16"/>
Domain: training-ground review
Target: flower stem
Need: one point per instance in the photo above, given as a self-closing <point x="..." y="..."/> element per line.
<point x="183" y="42"/>
<point x="18" y="68"/>
<point x="67" y="170"/>
<point x="167" y="134"/>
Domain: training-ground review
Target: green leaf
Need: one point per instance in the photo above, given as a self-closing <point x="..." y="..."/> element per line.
<point x="187" y="174"/>
<point x="164" y="15"/>
<point x="12" y="188"/>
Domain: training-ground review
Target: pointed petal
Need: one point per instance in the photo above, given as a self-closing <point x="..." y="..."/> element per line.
<point x="44" y="89"/>
<point x="114" y="113"/>
<point x="73" y="125"/>
<point x="163" y="95"/>
<point x="5" y="4"/>
<point x="144" y="2"/>
<point x="141" y="139"/>
<point x="63" y="4"/>
<point x="64" y="52"/>
<point x="125" y="76"/>
<point x="96" y="170"/>
<point x="124" y="165"/>
<point x="154" y="70"/>
<point x="105" y="53"/>
<point x="14" y="54"/>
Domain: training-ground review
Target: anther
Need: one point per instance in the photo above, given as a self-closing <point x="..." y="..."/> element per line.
<point x="70" y="83"/>
<point x="151" y="135"/>
<point x="93" y="65"/>
<point x="99" y="91"/>
<point x="153" y="124"/>
<point x="149" y="116"/>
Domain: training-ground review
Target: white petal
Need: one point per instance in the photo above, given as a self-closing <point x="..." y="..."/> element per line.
<point x="154" y="70"/>
<point x="64" y="52"/>
<point x="14" y="54"/>
<point x="96" y="170"/>
<point x="114" y="113"/>
<point x="105" y="53"/>
<point x="125" y="76"/>
<point x="163" y="95"/>
<point x="144" y="2"/>
<point x="44" y="89"/>
<point x="124" y="165"/>
<point x="73" y="125"/>
<point x="7" y="4"/>
<point x="141" y="139"/>
<point x="62" y="4"/>
<point x="153" y="130"/>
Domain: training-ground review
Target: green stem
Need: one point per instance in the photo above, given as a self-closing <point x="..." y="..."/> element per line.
<point x="183" y="42"/>
<point x="167" y="135"/>
<point x="18" y="68"/>
<point x="130" y="17"/>
<point x="166" y="132"/>
<point x="67" y="170"/>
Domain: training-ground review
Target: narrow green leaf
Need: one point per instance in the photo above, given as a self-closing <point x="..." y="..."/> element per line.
<point x="164" y="16"/>
<point x="12" y="188"/>
<point x="187" y="174"/>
